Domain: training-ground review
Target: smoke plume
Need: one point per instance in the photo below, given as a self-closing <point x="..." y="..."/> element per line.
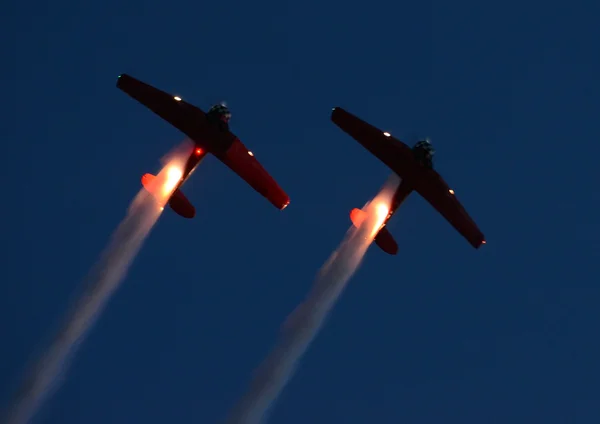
<point x="303" y="324"/>
<point x="105" y="277"/>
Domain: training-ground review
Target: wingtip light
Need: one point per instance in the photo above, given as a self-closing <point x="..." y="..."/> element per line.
<point x="387" y="134"/>
<point x="177" y="98"/>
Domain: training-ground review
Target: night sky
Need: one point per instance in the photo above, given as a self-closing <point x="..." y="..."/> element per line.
<point x="509" y="95"/>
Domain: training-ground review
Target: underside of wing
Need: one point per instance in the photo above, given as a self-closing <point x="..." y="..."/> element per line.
<point x="241" y="161"/>
<point x="436" y="191"/>
<point x="184" y="116"/>
<point x="391" y="151"/>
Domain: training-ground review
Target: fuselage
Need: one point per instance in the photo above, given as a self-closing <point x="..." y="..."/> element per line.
<point x="218" y="118"/>
<point x="423" y="154"/>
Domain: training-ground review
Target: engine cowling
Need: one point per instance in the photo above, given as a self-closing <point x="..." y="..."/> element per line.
<point x="424" y="152"/>
<point x="221" y="112"/>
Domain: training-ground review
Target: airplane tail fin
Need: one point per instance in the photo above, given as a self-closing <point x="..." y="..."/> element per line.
<point x="178" y="202"/>
<point x="383" y="239"/>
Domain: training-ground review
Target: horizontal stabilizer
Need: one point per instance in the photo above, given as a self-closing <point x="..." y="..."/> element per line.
<point x="181" y="205"/>
<point x="178" y="202"/>
<point x="383" y="239"/>
<point x="386" y="242"/>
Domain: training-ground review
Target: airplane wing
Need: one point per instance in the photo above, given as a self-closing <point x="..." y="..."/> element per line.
<point x="182" y="115"/>
<point x="241" y="161"/>
<point x="391" y="151"/>
<point x="436" y="191"/>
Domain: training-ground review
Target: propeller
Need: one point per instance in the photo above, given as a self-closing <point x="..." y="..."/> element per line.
<point x="413" y="138"/>
<point x="213" y="101"/>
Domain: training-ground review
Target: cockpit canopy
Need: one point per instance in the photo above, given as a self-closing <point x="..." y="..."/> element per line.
<point x="221" y="111"/>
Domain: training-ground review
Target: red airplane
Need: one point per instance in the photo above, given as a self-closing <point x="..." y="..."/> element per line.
<point x="415" y="168"/>
<point x="210" y="134"/>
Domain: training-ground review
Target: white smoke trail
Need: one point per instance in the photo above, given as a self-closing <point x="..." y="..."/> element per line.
<point x="304" y="323"/>
<point x="101" y="283"/>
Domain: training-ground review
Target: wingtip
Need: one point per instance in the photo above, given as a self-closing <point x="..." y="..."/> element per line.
<point x="334" y="111"/>
<point x="120" y="78"/>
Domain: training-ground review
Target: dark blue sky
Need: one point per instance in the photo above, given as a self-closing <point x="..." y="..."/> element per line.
<point x="509" y="95"/>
